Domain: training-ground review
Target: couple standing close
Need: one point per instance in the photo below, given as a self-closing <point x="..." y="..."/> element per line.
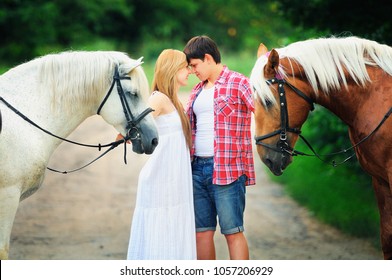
<point x="203" y="163"/>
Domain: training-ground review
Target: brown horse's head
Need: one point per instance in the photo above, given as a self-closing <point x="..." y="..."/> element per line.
<point x="282" y="104"/>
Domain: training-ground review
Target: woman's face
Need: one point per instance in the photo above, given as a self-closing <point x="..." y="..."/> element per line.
<point x="182" y="76"/>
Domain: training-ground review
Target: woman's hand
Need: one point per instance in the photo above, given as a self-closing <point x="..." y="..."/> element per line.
<point x="120" y="137"/>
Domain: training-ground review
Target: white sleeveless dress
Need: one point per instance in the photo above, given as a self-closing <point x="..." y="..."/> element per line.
<point x="163" y="224"/>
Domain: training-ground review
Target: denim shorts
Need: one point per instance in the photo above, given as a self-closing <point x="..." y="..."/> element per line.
<point x="227" y="202"/>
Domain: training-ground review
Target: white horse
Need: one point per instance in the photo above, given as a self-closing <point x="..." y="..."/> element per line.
<point x="58" y="92"/>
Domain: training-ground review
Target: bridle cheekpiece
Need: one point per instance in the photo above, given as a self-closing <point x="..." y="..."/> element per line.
<point x="132" y="122"/>
<point x="283" y="145"/>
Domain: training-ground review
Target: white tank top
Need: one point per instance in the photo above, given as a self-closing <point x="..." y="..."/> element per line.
<point x="204" y="111"/>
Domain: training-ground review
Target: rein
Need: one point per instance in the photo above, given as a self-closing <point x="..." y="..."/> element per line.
<point x="132" y="123"/>
<point x="333" y="163"/>
<point x="283" y="146"/>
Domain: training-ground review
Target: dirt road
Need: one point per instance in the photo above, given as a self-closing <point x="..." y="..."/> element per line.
<point x="87" y="214"/>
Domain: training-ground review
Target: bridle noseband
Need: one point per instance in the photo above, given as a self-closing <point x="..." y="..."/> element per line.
<point x="132" y="122"/>
<point x="283" y="145"/>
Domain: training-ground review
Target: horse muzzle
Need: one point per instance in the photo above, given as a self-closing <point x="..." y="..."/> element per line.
<point x="277" y="157"/>
<point x="142" y="143"/>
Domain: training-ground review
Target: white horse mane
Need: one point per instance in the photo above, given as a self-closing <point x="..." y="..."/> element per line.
<point x="76" y="77"/>
<point x="324" y="61"/>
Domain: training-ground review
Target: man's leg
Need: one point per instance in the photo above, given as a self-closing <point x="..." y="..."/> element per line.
<point x="205" y="245"/>
<point x="230" y="204"/>
<point x="238" y="246"/>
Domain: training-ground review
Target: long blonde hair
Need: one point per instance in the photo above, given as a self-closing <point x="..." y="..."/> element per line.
<point x="165" y="80"/>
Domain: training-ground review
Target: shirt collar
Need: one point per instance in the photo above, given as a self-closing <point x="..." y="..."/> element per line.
<point x="221" y="79"/>
<point x="223" y="75"/>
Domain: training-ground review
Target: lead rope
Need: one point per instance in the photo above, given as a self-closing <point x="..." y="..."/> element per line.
<point x="24" y="117"/>
<point x="111" y="145"/>
<point x="334" y="163"/>
<point x="77" y="169"/>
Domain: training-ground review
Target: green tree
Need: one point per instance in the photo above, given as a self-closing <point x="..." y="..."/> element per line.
<point x="25" y="25"/>
<point x="368" y="18"/>
<point x="34" y="27"/>
<point x="28" y="26"/>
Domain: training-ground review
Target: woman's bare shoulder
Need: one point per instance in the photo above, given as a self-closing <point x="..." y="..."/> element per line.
<point x="160" y="102"/>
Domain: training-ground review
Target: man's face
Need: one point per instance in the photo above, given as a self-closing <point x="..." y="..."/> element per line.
<point x="200" y="68"/>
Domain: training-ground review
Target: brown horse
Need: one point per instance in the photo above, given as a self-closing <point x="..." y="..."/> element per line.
<point x="352" y="78"/>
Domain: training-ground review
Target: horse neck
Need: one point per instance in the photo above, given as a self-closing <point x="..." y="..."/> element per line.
<point x="66" y="122"/>
<point x="20" y="90"/>
<point x="344" y="103"/>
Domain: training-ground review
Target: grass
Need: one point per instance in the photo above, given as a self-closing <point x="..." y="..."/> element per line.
<point x="335" y="196"/>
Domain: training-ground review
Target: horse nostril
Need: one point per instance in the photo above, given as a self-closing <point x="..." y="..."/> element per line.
<point x="154" y="142"/>
<point x="268" y="162"/>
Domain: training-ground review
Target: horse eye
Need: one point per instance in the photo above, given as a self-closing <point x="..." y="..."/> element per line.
<point x="131" y="92"/>
<point x="268" y="103"/>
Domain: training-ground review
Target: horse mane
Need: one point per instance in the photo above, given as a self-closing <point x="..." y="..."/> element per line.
<point x="74" y="78"/>
<point x="324" y="62"/>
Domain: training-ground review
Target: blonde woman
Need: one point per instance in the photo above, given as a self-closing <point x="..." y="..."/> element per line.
<point x="163" y="224"/>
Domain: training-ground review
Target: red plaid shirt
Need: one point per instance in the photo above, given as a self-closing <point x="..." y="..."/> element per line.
<point x="233" y="106"/>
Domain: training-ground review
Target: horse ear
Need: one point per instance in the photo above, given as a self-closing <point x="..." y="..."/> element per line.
<point x="128" y="67"/>
<point x="262" y="50"/>
<point x="137" y="63"/>
<point x="273" y="63"/>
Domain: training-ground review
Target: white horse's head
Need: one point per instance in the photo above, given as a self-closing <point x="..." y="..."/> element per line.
<point x="125" y="109"/>
<point x="105" y="82"/>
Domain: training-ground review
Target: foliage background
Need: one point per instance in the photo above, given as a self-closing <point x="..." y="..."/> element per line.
<point x="340" y="196"/>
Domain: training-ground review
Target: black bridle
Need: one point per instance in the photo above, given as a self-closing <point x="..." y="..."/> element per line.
<point x="283" y="146"/>
<point x="132" y="122"/>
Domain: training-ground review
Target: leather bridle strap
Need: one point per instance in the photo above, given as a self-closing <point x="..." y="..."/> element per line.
<point x="24" y="117"/>
<point x="132" y="122"/>
<point x="284" y="117"/>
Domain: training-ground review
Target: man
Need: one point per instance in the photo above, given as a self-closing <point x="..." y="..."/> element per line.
<point x="219" y="109"/>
